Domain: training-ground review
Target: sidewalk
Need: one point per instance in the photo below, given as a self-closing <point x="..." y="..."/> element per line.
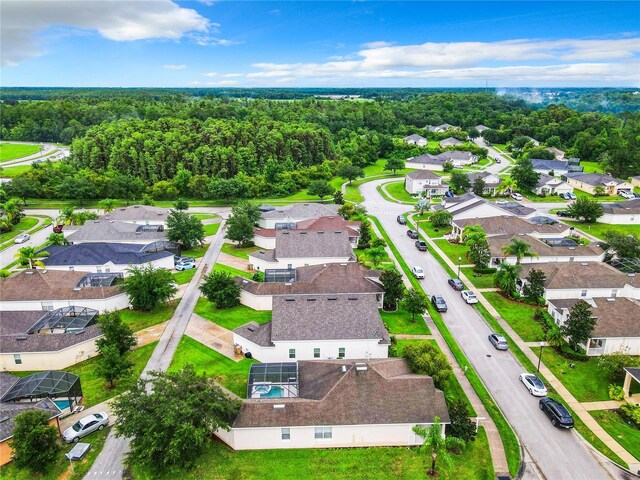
<point x="233" y="261"/>
<point x="213" y="336"/>
<point x="150" y="334"/>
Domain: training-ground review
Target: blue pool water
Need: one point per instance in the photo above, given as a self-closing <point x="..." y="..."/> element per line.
<point x="274" y="392"/>
<point x="62" y="404"/>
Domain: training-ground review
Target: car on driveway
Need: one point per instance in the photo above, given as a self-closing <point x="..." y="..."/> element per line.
<point x="469" y="296"/>
<point x="558" y="413"/>
<point x="401" y="220"/>
<point x="177" y="259"/>
<point x="23" y="237"/>
<point x="516" y="196"/>
<point x="572" y="196"/>
<point x="421" y="245"/>
<point x="58" y="228"/>
<point x="456" y="284"/>
<point x="185" y="265"/>
<point x="563" y="213"/>
<point x="412" y="234"/>
<point x="439" y="303"/>
<point x="626" y="194"/>
<point x="498" y="341"/>
<point x="85" y="426"/>
<point x="501" y="202"/>
<point x="498" y="160"/>
<point x="533" y="384"/>
<point x="417" y="272"/>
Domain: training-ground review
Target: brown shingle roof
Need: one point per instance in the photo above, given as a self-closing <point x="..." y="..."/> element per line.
<point x="113" y="231"/>
<point x="582" y="275"/>
<point x="12" y="410"/>
<point x="386" y="393"/>
<point x="511" y="225"/>
<point x="619" y="317"/>
<point x="326" y="223"/>
<point x="308" y="244"/>
<point x="139" y="213"/>
<point x="628" y="207"/>
<point x="541" y="248"/>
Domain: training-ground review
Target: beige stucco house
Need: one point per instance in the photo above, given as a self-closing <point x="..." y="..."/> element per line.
<point x="588" y="182"/>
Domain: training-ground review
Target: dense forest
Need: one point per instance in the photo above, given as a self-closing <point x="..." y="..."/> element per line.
<point x="169" y="143"/>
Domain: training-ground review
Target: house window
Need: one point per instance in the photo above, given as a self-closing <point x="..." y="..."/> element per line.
<point x="341" y="352"/>
<point x="99" y="269"/>
<point x="316" y="353"/>
<point x="571" y="259"/>
<point x="17" y="359"/>
<point x="583" y="293"/>
<point x="286" y="434"/>
<point x="47" y="306"/>
<point x="323" y="433"/>
<point x="292" y="353"/>
<point x="107" y="270"/>
<point x="289" y="266"/>
<point x="614" y="293"/>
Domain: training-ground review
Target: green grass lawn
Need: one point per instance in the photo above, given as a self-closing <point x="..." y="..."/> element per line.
<point x="11" y="151"/>
<point x="602" y="198"/>
<point x="204" y="216"/>
<point x="197" y="252"/>
<point x="598" y="229"/>
<point x="231" y="249"/>
<point x="626" y="435"/>
<point x="231" y="318"/>
<point x="218" y="267"/>
<point x="518" y="315"/>
<point x="25" y="223"/>
<point x="398" y="192"/>
<point x="10" y="172"/>
<point x="592" y="167"/>
<point x="211" y="229"/>
<point x="61" y="469"/>
<point x="219" y="462"/>
<point x="586" y="381"/>
<point x="184" y="276"/>
<point x="548" y="199"/>
<point x="428" y="229"/>
<point x="483" y="281"/>
<point x="364" y="258"/>
<point x="232" y="375"/>
<point x="139" y="320"/>
<point x="400" y="323"/>
<point x="454" y="250"/>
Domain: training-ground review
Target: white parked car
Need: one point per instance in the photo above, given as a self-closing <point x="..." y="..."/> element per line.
<point x="417" y="272"/>
<point x="85" y="426"/>
<point x="626" y="194"/>
<point x="469" y="296"/>
<point x="23" y="237"/>
<point x="533" y="384"/>
<point x="501" y="202"/>
<point x="185" y="265"/>
<point x="571" y="195"/>
<point x="516" y="196"/>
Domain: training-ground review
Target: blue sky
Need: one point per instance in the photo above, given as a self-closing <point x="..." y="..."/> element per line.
<point x="167" y="43"/>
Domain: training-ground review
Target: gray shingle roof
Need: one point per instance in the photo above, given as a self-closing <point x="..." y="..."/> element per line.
<point x="548" y="165"/>
<point x="621" y="208"/>
<point x="12" y="410"/>
<point x="308" y="244"/>
<point x="616" y="317"/>
<point x="511" y="225"/>
<point x="100" y="253"/>
<point x="424" y="175"/>
<point x="483" y="175"/>
<point x="448" y="156"/>
<point x="139" y="213"/>
<point x="302" y="211"/>
<point x="594" y="179"/>
<point x="582" y="275"/>
<point x="413" y="137"/>
<point x="387" y="392"/>
<point x="450" y="141"/>
<point x="496" y="243"/>
<point x="113" y="231"/>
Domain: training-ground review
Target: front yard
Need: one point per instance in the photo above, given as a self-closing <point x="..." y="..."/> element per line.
<point x="482" y="281"/>
<point x="454" y="251"/>
<point x="398" y="193"/>
<point x="598" y="229"/>
<point x="518" y="315"/>
<point x="196" y="252"/>
<point x="425" y="227"/>
<point x="399" y="322"/>
<point x="628" y="436"/>
<point x="25" y="223"/>
<point x="138" y="319"/>
<point x="230" y="318"/>
<point x="211" y="229"/>
<point x="218" y="267"/>
<point x="240" y="252"/>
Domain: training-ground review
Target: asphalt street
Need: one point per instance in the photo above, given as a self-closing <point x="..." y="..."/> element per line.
<point x="559" y="454"/>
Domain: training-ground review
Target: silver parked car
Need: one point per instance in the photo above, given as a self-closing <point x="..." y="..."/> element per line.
<point x="498" y="341"/>
<point x="23" y="237"/>
<point x="85" y="426"/>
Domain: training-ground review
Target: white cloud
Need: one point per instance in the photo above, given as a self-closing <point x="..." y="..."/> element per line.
<point x="210" y="74"/>
<point x="379" y="44"/>
<point x="209" y="41"/>
<point x="119" y="21"/>
<point x="174" y="67"/>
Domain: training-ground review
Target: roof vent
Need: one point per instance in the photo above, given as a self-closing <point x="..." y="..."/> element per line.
<point x="285" y="233"/>
<point x="76" y="289"/>
<point x="361" y="367"/>
<point x="78" y="332"/>
<point x="260" y="251"/>
<point x="332" y="298"/>
<point x="303" y="233"/>
<point x="320" y="232"/>
<point x="290" y="299"/>
<point x="572" y="248"/>
<point x="287" y="283"/>
<point x="311" y="299"/>
<point x="28" y="272"/>
<point x="21" y="337"/>
<point x="96" y="221"/>
<point x="279" y="406"/>
<point x="338" y="231"/>
<point x="343" y="369"/>
<point x="44" y="271"/>
<point x="245" y="281"/>
<point x="584" y="264"/>
<point x="135" y="206"/>
<point x="251" y="328"/>
<point x="4" y="419"/>
<point x="611" y="299"/>
<point x="353" y="298"/>
<point x="631" y="274"/>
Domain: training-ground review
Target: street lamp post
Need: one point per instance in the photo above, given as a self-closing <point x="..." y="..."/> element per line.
<point x="459" y="260"/>
<point x="540" y="355"/>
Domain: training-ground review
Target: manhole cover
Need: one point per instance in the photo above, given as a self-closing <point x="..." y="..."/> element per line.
<point x="488" y="355"/>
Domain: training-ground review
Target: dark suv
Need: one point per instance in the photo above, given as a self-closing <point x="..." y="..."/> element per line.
<point x="421" y="245"/>
<point x="412" y="234"/>
<point x="558" y="413"/>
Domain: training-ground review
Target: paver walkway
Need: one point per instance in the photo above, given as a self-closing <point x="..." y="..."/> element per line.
<point x="213" y="336"/>
<point x="606" y="405"/>
<point x="150" y="334"/>
<point x="567" y="397"/>
<point x="233" y="261"/>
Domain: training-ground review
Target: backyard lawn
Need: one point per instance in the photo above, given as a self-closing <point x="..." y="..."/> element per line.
<point x="11" y="151"/>
<point x="585" y="380"/>
<point x="231" y="249"/>
<point x="196" y="252"/>
<point x="518" y="315"/>
<point x="454" y="250"/>
<point x="25" y="223"/>
<point x="601" y="198"/>
<point x="592" y="167"/>
<point x="231" y="318"/>
<point x="397" y="191"/>
<point x="184" y="276"/>
<point x="626" y="435"/>
<point x="229" y="373"/>
<point x="218" y="267"/>
<point x="598" y="229"/>
<point x="399" y="322"/>
<point x="482" y="281"/>
<point x="211" y="229"/>
<point x="138" y="320"/>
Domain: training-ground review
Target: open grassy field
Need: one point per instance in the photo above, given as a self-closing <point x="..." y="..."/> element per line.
<point x="400" y="322"/>
<point x="626" y="435"/>
<point x="598" y="229"/>
<point x="139" y="320"/>
<point x="25" y="223"/>
<point x="231" y="249"/>
<point x="11" y="151"/>
<point x="197" y="252"/>
<point x="231" y="318"/>
<point x="592" y="167"/>
<point x="10" y="172"/>
<point x="518" y="315"/>
<point x="398" y="193"/>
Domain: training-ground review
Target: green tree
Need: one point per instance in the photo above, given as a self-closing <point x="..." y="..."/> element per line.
<point x="461" y="425"/>
<point x="364" y="239"/>
<point x="181" y="204"/>
<point x="29" y="256"/>
<point x="181" y="179"/>
<point x="350" y="172"/>
<point x="35" y="442"/>
<point x="221" y="289"/>
<point x="459" y="182"/>
<point x="185" y="229"/>
<point x="426" y="358"/>
<point x="115" y="333"/>
<point x="524" y="175"/>
<point x="554" y="337"/>
<point x="56" y="239"/>
<point x="421" y="205"/>
<point x="433" y="444"/>
<point x="599" y="191"/>
<point x="376" y="255"/>
<point x="613" y="365"/>
<point x="580" y="324"/>
<point x="506" y="277"/>
<point x="240" y="224"/>
<point x="519" y="249"/>
<point x="473" y="234"/>
<point x="415" y="303"/>
<point x="170" y="417"/>
<point x="478" y="187"/>
<point x="108" y="205"/>
<point x="163" y="190"/>
<point x="586" y="209"/>
<point x="393" y="288"/>
<point x="320" y="188"/>
<point x="480" y="254"/>
<point x="149" y="287"/>
<point x="147" y="200"/>
<point x="393" y="165"/>
<point x="447" y="167"/>
<point x="112" y="365"/>
<point x="622" y="244"/>
<point x="441" y="218"/>
<point x="338" y="198"/>
<point x="534" y="287"/>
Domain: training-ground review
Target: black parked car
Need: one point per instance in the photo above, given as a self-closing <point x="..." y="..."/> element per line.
<point x="422" y="246"/>
<point x="401" y="220"/>
<point x="456" y="284"/>
<point x="412" y="234"/>
<point x="439" y="303"/>
<point x="558" y="413"/>
<point x="563" y="213"/>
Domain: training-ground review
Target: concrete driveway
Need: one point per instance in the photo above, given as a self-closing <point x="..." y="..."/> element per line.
<point x="558" y="454"/>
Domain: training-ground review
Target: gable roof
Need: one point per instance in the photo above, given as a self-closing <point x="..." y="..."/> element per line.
<point x="100" y="253"/>
<point x="620" y="208"/>
<point x="387" y="392"/>
<point x="582" y="275"/>
<point x="448" y="156"/>
<point x="424" y="175"/>
<point x="114" y="231"/>
<point x="481" y="128"/>
<point x="544" y="179"/>
<point x="511" y="225"/>
<point x="308" y="244"/>
<point x="483" y="175"/>
<point x="594" y="179"/>
<point x="302" y="211"/>
<point x="543" y="249"/>
<point x="548" y="165"/>
<point x="415" y="137"/>
<point x="450" y="141"/>
<point x="138" y="213"/>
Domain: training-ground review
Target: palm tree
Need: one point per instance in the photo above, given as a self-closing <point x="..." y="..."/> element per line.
<point x="66" y="216"/>
<point x="473" y="234"/>
<point x="376" y="255"/>
<point x="5" y="224"/>
<point x="433" y="442"/>
<point x="56" y="239"/>
<point x="507" y="185"/>
<point x="554" y="337"/>
<point x="519" y="249"/>
<point x="29" y="256"/>
<point x="108" y="205"/>
<point x="506" y="277"/>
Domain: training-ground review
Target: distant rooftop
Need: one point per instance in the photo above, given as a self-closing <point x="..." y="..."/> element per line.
<point x="138" y="213"/>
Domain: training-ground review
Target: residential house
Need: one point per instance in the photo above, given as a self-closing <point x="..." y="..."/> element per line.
<point x="481" y="128"/>
<point x="617" y="327"/>
<point x="535" y="142"/>
<point x="335" y="404"/>
<point x="301" y="248"/>
<point x="31" y="290"/>
<point x="450" y="142"/>
<point x="283" y="217"/>
<point x="419" y="181"/>
<point x="547" y="250"/>
<point x="559" y="154"/>
<point x="307" y="327"/>
<point x="40" y="340"/>
<point x="112" y="231"/>
<point x="588" y="182"/>
<point x="584" y="280"/>
<point x="139" y="214"/>
<point x="442" y="128"/>
<point x="558" y="167"/>
<point x="332" y="278"/>
<point x="548" y="185"/>
<point x="109" y="257"/>
<point x="635" y="181"/>
<point x="621" y="213"/>
<point x="435" y="162"/>
<point x="415" y="140"/>
<point x="491" y="182"/>
<point x="539" y="227"/>
<point x="266" y="237"/>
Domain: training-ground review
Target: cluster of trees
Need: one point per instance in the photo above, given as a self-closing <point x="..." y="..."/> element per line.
<point x="11" y="212"/>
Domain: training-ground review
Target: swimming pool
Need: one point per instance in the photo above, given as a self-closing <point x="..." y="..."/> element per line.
<point x="273" y="392"/>
<point x="62" y="404"/>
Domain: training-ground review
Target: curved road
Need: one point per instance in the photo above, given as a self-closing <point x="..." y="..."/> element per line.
<point x="558" y="454"/>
